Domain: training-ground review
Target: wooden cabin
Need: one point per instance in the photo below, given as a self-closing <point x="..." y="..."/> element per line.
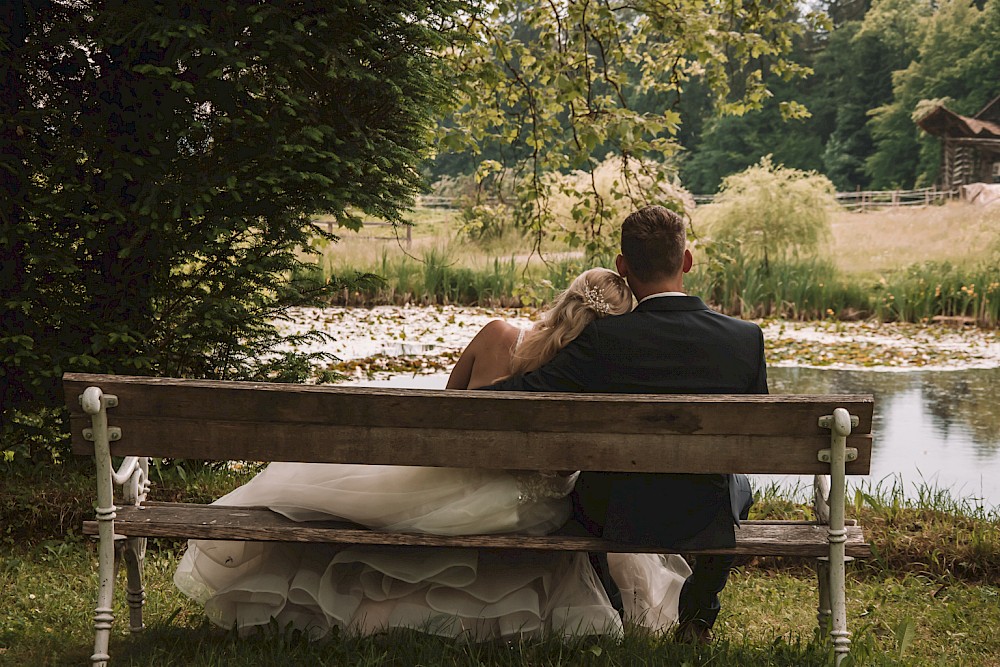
<point x="970" y="146"/>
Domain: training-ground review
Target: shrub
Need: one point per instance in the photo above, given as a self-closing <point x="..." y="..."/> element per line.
<point x="160" y="167"/>
<point x="771" y="213"/>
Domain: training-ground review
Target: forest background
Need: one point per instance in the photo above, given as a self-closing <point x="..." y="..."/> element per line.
<point x="866" y="70"/>
<point x="164" y="164"/>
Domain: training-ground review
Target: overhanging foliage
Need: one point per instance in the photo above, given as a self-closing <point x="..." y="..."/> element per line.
<point x="161" y="163"/>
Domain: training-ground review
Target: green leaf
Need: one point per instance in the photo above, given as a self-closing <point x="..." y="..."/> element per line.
<point x="905" y="633"/>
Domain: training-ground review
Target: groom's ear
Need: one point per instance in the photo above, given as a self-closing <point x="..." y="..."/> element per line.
<point x="688" y="261"/>
<point x="622" y="266"/>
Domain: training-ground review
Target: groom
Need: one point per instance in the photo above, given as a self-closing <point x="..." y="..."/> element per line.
<point x="671" y="343"/>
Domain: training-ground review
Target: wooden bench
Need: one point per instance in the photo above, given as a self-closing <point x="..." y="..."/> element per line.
<point x="137" y="417"/>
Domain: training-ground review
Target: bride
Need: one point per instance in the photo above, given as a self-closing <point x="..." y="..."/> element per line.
<point x="475" y="594"/>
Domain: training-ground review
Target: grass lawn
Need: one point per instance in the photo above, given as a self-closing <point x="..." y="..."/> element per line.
<point x="930" y="597"/>
<point x="894" y="238"/>
<point x="767" y="619"/>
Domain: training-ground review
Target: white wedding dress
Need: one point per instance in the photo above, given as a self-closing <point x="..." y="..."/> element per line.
<point x="456" y="592"/>
<point x="477" y="595"/>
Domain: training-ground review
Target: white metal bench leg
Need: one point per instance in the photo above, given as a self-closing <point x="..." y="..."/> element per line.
<point x="133" y="475"/>
<point x="96" y="404"/>
<point x="823" y="608"/>
<point x="135" y="555"/>
<point x="821" y="506"/>
<point x="103" y="616"/>
<point x="840" y="427"/>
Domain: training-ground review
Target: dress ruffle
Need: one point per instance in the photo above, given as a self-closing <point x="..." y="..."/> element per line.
<point x="479" y="595"/>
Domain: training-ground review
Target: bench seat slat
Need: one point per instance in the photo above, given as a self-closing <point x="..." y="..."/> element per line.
<point x="184" y="520"/>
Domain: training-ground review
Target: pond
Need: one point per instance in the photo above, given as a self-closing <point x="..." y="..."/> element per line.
<point x="939" y="429"/>
<point x="937" y="415"/>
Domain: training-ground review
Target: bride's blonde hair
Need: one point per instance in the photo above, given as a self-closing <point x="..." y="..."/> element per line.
<point x="594" y="293"/>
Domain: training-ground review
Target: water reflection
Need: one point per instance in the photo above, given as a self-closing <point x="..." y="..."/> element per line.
<point x="936" y="427"/>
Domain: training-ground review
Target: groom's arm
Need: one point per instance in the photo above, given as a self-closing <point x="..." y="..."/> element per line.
<point x="570" y="370"/>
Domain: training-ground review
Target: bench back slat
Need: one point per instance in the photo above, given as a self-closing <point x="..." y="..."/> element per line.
<point x="168" y="417"/>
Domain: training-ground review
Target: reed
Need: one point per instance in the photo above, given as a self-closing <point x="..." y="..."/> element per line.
<point x="811" y="289"/>
<point x="943" y="289"/>
<point x="815" y="289"/>
<point x="445" y="266"/>
<point x="442" y="275"/>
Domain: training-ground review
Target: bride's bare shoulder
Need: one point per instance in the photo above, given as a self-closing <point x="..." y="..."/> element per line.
<point x="486" y="357"/>
<point x="496" y="333"/>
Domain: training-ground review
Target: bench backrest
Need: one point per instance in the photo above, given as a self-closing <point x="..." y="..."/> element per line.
<point x="202" y="419"/>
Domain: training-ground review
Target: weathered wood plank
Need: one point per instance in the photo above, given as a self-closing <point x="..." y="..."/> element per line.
<point x="259" y="441"/>
<point x="468" y="410"/>
<point x="181" y="520"/>
<point x="617" y="432"/>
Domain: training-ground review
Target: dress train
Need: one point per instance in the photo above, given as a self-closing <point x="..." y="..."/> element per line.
<point x="474" y="594"/>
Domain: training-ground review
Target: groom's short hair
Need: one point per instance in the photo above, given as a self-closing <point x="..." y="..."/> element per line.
<point x="653" y="242"/>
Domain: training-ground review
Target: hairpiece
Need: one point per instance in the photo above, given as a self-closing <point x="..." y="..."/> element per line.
<point x="593" y="298"/>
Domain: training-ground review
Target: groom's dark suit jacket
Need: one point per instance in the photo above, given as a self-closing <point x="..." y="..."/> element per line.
<point x="670" y="345"/>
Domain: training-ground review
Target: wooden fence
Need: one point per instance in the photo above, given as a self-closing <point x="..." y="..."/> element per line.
<point x="428" y="201"/>
<point x="861" y="200"/>
<point x="407" y="237"/>
<point x="871" y="200"/>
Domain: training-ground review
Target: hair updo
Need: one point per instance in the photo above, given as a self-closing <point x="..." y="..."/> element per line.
<point x="593" y="294"/>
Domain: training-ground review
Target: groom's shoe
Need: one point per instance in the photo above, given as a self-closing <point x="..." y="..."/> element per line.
<point x="695" y="631"/>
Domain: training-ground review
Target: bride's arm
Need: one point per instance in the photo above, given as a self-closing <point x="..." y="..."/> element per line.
<point x="461" y="374"/>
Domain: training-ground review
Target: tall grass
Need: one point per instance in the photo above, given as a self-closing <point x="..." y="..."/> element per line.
<point x="941" y="289"/>
<point x="800" y="290"/>
<point x="807" y="289"/>
<point x="438" y="275"/>
<point x="816" y="289"/>
<point x="921" y="529"/>
<point x="445" y="266"/>
<point x="893" y="238"/>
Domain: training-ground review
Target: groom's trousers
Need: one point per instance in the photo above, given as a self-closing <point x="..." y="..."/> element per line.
<point x="700" y="594"/>
<point x="699" y="598"/>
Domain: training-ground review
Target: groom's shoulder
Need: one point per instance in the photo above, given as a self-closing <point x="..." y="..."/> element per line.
<point x="695" y="314"/>
<point x="734" y="321"/>
<point x="743" y="327"/>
